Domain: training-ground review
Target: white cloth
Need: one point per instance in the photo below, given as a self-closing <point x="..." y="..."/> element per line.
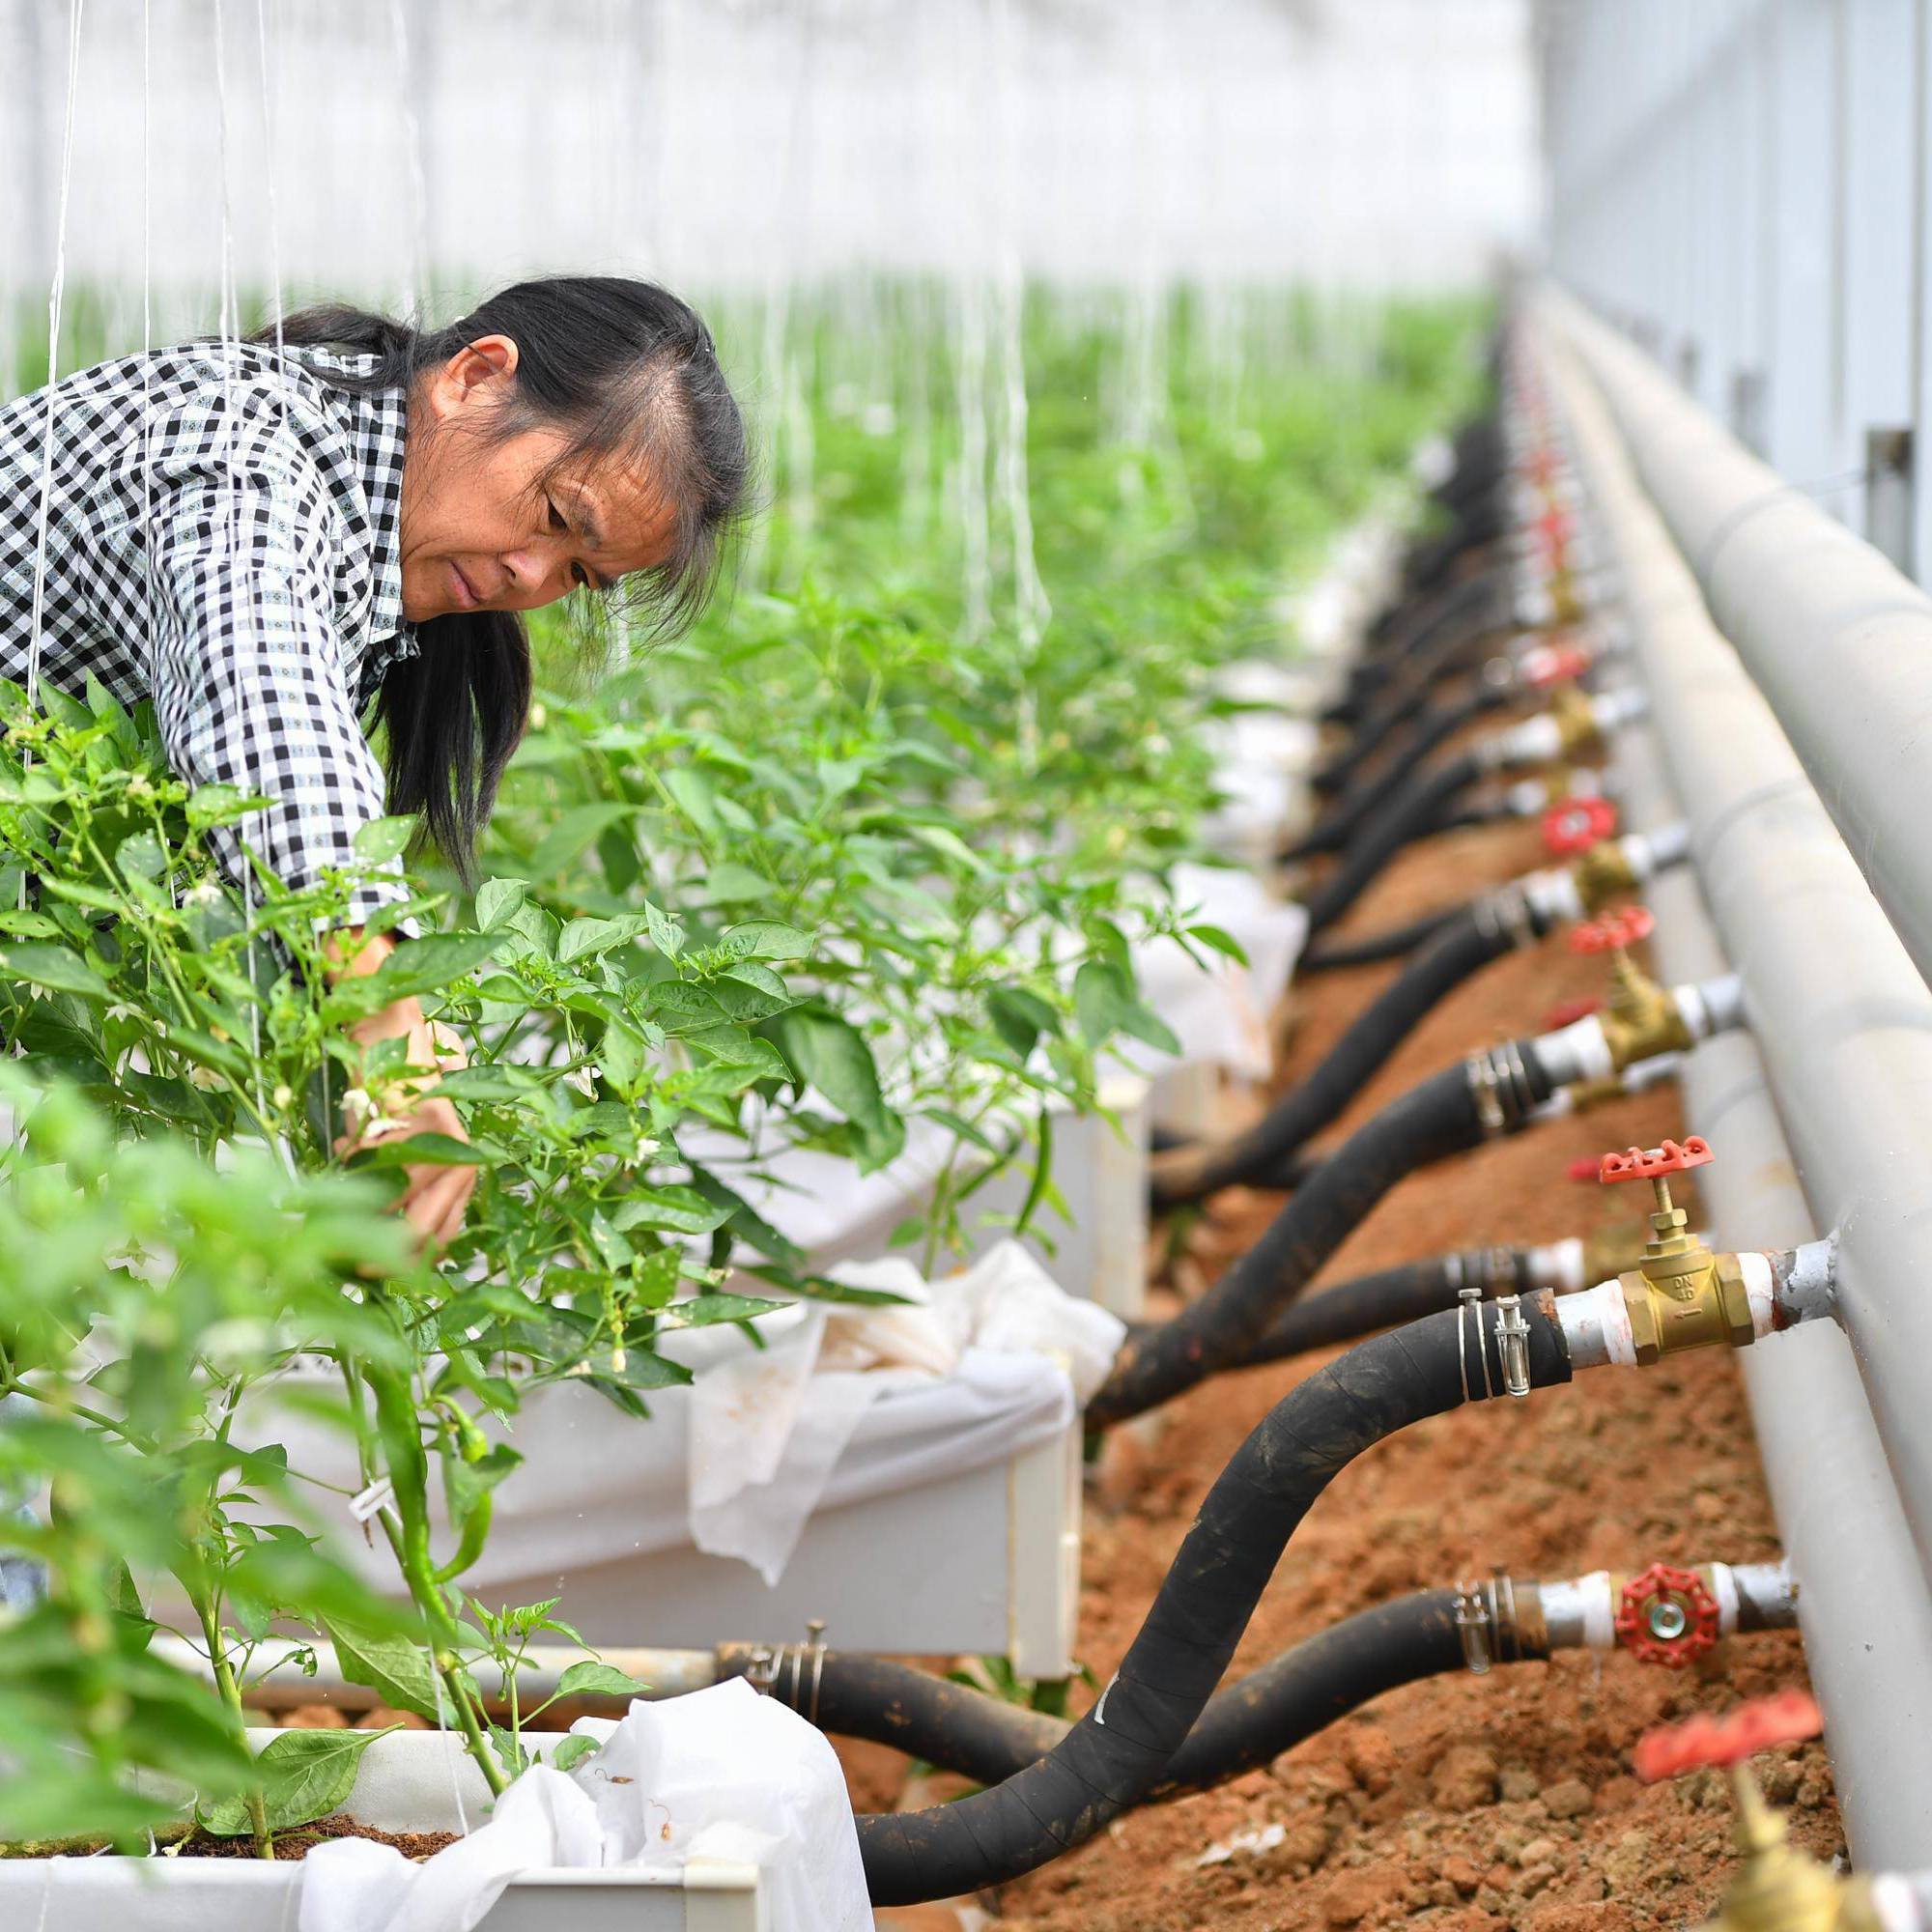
<point x="843" y="1405"/>
<point x="768" y="1427"/>
<point x="722" y="1775"/>
<point x="1220" y="1011"/>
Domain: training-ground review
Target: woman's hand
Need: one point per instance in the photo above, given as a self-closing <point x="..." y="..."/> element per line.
<point x="434" y="1194"/>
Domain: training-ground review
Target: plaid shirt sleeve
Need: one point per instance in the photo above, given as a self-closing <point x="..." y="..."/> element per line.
<point x="246" y="663"/>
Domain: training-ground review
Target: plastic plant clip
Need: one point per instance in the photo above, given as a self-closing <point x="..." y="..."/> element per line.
<point x="1667" y="1616"/>
<point x="1573" y="825"/>
<point x="1702" y="1741"/>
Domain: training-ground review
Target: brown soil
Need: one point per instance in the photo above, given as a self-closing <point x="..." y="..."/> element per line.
<point x="1462" y="1803"/>
<point x="299" y="1844"/>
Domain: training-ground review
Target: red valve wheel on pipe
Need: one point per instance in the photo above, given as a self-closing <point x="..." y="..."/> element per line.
<point x="1573" y="825"/>
<point x="1554" y="664"/>
<point x="1705" y="1741"/>
<point x="1651" y="1163"/>
<point x="1667" y="1616"/>
<point x="1614" y="930"/>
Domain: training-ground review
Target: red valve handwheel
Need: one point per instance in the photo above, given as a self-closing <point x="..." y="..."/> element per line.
<point x="1573" y="825"/>
<point x="1652" y="1163"/>
<point x="1553" y="664"/>
<point x="1624" y="926"/>
<point x="1567" y="1013"/>
<point x="1787" y="1719"/>
<point x="1667" y="1616"/>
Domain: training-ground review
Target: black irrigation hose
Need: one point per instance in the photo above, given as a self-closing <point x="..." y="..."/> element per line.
<point x="1119" y="1751"/>
<point x="1392" y="942"/>
<point x="1352" y="1308"/>
<point x="1469" y="942"/>
<point x="1413" y="813"/>
<point x="1438" y="1116"/>
<point x="1431" y="727"/>
<point x="1243" y="1726"/>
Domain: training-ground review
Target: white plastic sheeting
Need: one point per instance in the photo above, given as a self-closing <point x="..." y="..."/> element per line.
<point x="721" y="1775"/>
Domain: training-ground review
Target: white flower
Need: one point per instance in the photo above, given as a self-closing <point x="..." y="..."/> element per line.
<point x="208" y="892"/>
<point x="139" y="787"/>
<point x="204" y="1077"/>
<point x="283" y="1095"/>
<point x="539" y="716"/>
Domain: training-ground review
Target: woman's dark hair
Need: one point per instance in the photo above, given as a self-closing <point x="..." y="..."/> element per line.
<point x="624" y="369"/>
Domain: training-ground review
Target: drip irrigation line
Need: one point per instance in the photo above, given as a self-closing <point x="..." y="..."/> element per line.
<point x="1470" y="941"/>
<point x="1443" y="1115"/>
<point x="1411" y="815"/>
<point x="1120" y="1750"/>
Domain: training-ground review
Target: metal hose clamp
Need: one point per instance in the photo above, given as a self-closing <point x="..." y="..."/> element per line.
<point x="1512" y="1343"/>
<point x="1485" y="1623"/>
<point x="1490" y="1113"/>
<point x="1468" y="1307"/>
<point x="1504" y="914"/>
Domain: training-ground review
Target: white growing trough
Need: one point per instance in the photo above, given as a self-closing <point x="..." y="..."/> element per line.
<point x="720" y="1811"/>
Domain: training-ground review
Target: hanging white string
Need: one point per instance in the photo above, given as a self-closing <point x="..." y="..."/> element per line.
<point x="399" y="29"/>
<point x="56" y="295"/>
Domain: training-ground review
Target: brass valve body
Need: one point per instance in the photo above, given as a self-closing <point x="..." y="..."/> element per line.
<point x="1779" y="1887"/>
<point x="1641" y="1020"/>
<point x="1681" y="1296"/>
<point x="1576" y="722"/>
<point x="1615" y="1249"/>
<point x="1603" y="873"/>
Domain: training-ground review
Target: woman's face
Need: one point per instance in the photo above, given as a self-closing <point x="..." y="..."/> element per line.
<point x="482" y="530"/>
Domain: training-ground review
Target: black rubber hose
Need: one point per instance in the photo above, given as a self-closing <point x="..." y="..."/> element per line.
<point x="1411" y="815"/>
<point x="1119" y="1750"/>
<point x="1352" y="1308"/>
<point x="1372" y="947"/>
<point x="1243" y="1726"/>
<point x="1468" y="613"/>
<point x="1467" y="942"/>
<point x="1438" y="1116"/>
<point x="1432" y="727"/>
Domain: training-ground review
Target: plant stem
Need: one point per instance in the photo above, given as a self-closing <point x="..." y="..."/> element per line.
<point x="230" y="1696"/>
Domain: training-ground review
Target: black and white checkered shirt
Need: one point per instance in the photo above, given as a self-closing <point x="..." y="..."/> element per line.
<point x="222" y="537"/>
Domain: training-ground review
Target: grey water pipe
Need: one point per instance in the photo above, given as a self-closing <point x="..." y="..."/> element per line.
<point x="1862" y="1600"/>
<point x="1838" y="641"/>
<point x="1841" y="1014"/>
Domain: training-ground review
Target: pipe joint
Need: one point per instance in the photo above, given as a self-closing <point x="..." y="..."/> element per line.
<point x="1804" y="1282"/>
<point x="1501" y="1088"/>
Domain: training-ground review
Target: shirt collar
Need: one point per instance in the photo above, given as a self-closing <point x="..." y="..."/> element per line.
<point x="381" y="422"/>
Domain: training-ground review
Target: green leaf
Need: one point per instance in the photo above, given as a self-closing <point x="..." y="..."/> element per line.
<point x="1103" y="999"/>
<point x="573" y="831"/>
<point x="594" y="1678"/>
<point x="573" y="1749"/>
<point x="1019" y="1017"/>
<point x="582" y="938"/>
<point x="681" y="1210"/>
<point x="707" y="1311"/>
<point x="1220" y="940"/>
<point x="304" y="1776"/>
<point x="667" y="937"/>
<point x="497" y="903"/>
<point x="212" y="805"/>
<point x="729" y="883"/>
<point x="831" y="1054"/>
<point x="692" y="792"/>
<point x="397" y="1669"/>
<point x="54" y="967"/>
<point x="384" y="839"/>
<point x="422" y="965"/>
<point x="767" y="939"/>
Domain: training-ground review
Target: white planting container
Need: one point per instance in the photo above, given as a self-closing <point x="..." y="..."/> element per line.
<point x="408" y="1781"/>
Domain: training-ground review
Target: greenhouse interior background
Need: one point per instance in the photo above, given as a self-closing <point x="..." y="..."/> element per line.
<point x="965" y="965"/>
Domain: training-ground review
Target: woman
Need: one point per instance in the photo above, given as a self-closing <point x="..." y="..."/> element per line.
<point x="273" y="539"/>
